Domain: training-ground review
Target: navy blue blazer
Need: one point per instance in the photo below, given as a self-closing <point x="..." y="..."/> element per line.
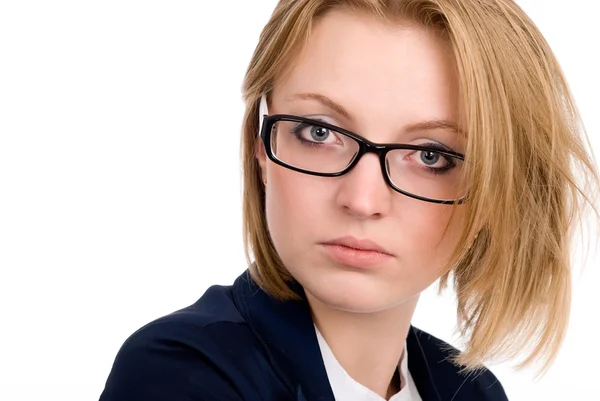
<point x="238" y="343"/>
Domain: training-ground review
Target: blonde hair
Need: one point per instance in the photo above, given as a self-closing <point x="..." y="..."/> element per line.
<point x="527" y="167"/>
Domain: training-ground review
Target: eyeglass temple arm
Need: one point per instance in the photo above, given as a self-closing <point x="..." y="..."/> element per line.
<point x="262" y="111"/>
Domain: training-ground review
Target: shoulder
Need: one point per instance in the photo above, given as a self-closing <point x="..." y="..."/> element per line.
<point x="428" y="353"/>
<point x="204" y="351"/>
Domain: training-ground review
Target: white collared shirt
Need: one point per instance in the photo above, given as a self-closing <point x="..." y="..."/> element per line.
<point x="345" y="388"/>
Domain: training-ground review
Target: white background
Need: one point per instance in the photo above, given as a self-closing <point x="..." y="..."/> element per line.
<point x="120" y="183"/>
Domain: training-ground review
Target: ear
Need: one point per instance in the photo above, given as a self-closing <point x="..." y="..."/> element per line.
<point x="261" y="156"/>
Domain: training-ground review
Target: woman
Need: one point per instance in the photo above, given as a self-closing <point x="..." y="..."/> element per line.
<point x="386" y="145"/>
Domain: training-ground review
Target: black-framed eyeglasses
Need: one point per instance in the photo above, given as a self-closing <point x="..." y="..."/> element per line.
<point x="430" y="171"/>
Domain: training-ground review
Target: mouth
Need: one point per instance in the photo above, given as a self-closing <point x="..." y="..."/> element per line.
<point x="364" y="245"/>
<point x="362" y="254"/>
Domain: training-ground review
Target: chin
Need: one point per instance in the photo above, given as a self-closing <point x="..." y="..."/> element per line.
<point x="352" y="291"/>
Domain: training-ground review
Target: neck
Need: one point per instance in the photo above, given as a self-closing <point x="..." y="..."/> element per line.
<point x="367" y="345"/>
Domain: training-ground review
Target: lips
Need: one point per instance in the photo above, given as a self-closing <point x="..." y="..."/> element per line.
<point x="355" y="253"/>
<point x="360" y="245"/>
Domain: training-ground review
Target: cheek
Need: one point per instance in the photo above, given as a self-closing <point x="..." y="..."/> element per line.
<point x="295" y="202"/>
<point x="432" y="234"/>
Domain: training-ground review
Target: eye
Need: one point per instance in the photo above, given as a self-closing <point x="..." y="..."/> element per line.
<point x="430" y="158"/>
<point x="319" y="134"/>
<point x="315" y="134"/>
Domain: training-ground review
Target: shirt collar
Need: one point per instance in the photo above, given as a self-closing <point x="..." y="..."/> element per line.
<point x="346" y="388"/>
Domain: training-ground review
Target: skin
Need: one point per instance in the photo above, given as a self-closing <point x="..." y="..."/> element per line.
<point x="386" y="78"/>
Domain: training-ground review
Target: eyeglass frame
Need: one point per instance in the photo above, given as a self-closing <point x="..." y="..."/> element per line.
<point x="365" y="146"/>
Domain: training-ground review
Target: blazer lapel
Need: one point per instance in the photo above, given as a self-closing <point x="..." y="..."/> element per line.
<point x="420" y="368"/>
<point x="286" y="329"/>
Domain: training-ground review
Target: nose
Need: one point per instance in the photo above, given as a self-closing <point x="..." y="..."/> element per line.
<point x="363" y="192"/>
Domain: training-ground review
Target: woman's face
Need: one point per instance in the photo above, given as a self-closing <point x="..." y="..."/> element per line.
<point x="377" y="81"/>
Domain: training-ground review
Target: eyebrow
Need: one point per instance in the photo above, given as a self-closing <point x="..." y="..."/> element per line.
<point x="429" y="125"/>
<point x="426" y="125"/>
<point x="324" y="100"/>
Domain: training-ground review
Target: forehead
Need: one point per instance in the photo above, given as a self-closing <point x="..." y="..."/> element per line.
<point x="373" y="68"/>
